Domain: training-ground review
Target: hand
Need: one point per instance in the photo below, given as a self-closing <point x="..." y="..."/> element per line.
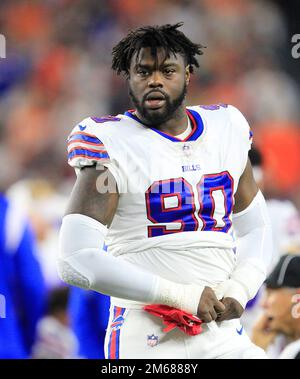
<point x="233" y="309"/>
<point x="262" y="334"/>
<point x="209" y="306"/>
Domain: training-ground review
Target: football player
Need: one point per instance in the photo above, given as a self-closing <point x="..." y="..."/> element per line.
<point x="163" y="185"/>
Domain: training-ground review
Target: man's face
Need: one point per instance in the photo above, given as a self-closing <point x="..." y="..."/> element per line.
<point x="278" y="306"/>
<point x="157" y="85"/>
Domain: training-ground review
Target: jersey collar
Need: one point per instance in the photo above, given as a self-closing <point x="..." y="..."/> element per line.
<point x="196" y="122"/>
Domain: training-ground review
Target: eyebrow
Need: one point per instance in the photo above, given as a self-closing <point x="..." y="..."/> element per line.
<point x="148" y="66"/>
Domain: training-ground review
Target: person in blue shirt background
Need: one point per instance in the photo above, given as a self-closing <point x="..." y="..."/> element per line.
<point x="22" y="285"/>
<point x="89" y="313"/>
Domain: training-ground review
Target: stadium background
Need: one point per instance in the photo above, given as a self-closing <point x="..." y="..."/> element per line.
<point x="57" y="71"/>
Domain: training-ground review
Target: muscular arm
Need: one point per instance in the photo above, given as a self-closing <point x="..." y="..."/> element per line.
<point x="247" y="189"/>
<point x="90" y="197"/>
<point x="254" y="246"/>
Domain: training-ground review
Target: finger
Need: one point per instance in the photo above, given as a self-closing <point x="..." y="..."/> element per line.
<point x="219" y="307"/>
<point x="222" y="317"/>
<point x="206" y="317"/>
<point x="219" y="314"/>
<point x="213" y="314"/>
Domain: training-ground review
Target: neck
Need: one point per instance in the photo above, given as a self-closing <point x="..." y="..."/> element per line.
<point x="175" y="125"/>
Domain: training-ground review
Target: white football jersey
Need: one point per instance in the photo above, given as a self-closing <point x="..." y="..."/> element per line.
<point x="174" y="194"/>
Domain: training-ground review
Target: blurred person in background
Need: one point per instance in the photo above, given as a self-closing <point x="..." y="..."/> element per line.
<point x="55" y="339"/>
<point x="39" y="198"/>
<point x="278" y="328"/>
<point x="284" y="215"/>
<point x="285" y="223"/>
<point x="89" y="314"/>
<point x="21" y="283"/>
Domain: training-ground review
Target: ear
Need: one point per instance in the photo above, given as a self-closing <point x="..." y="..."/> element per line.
<point x="187" y="74"/>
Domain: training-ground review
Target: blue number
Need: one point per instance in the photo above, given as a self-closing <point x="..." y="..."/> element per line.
<point x="208" y="184"/>
<point x="181" y="207"/>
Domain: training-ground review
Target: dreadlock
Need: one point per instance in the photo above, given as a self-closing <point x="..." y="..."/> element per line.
<point x="166" y="36"/>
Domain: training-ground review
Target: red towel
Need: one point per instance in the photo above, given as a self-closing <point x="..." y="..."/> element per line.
<point x="176" y="318"/>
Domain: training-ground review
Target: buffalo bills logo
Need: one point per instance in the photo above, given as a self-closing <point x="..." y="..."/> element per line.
<point x="117" y="323"/>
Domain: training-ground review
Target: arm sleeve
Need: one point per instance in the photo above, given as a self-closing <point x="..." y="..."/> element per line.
<point x="254" y="251"/>
<point x="82" y="262"/>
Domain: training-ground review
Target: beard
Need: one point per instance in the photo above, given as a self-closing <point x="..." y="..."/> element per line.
<point x="160" y="116"/>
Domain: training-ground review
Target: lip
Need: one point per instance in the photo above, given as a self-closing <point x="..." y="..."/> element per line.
<point x="155" y="100"/>
<point x="155" y="95"/>
<point x="155" y="103"/>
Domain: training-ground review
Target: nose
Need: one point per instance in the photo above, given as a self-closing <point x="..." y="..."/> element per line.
<point x="155" y="80"/>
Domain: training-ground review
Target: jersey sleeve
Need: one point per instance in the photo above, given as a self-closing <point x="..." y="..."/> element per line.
<point x="242" y="135"/>
<point x="89" y="144"/>
<point x="84" y="147"/>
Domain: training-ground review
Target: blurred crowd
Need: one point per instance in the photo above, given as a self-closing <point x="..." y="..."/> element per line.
<point x="57" y="72"/>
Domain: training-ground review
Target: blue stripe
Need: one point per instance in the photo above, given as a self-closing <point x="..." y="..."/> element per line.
<point x="131" y="115"/>
<point x="87" y="153"/>
<point x="196" y="134"/>
<point x="171" y="138"/>
<point x="82" y="137"/>
<point x="250" y="134"/>
<point x="117" y="344"/>
<point x="199" y="129"/>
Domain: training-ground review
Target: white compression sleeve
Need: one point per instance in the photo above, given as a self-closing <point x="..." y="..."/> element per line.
<point x="83" y="263"/>
<point x="254" y="251"/>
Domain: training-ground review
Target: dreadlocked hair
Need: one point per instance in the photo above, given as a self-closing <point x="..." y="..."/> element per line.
<point x="166" y="36"/>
